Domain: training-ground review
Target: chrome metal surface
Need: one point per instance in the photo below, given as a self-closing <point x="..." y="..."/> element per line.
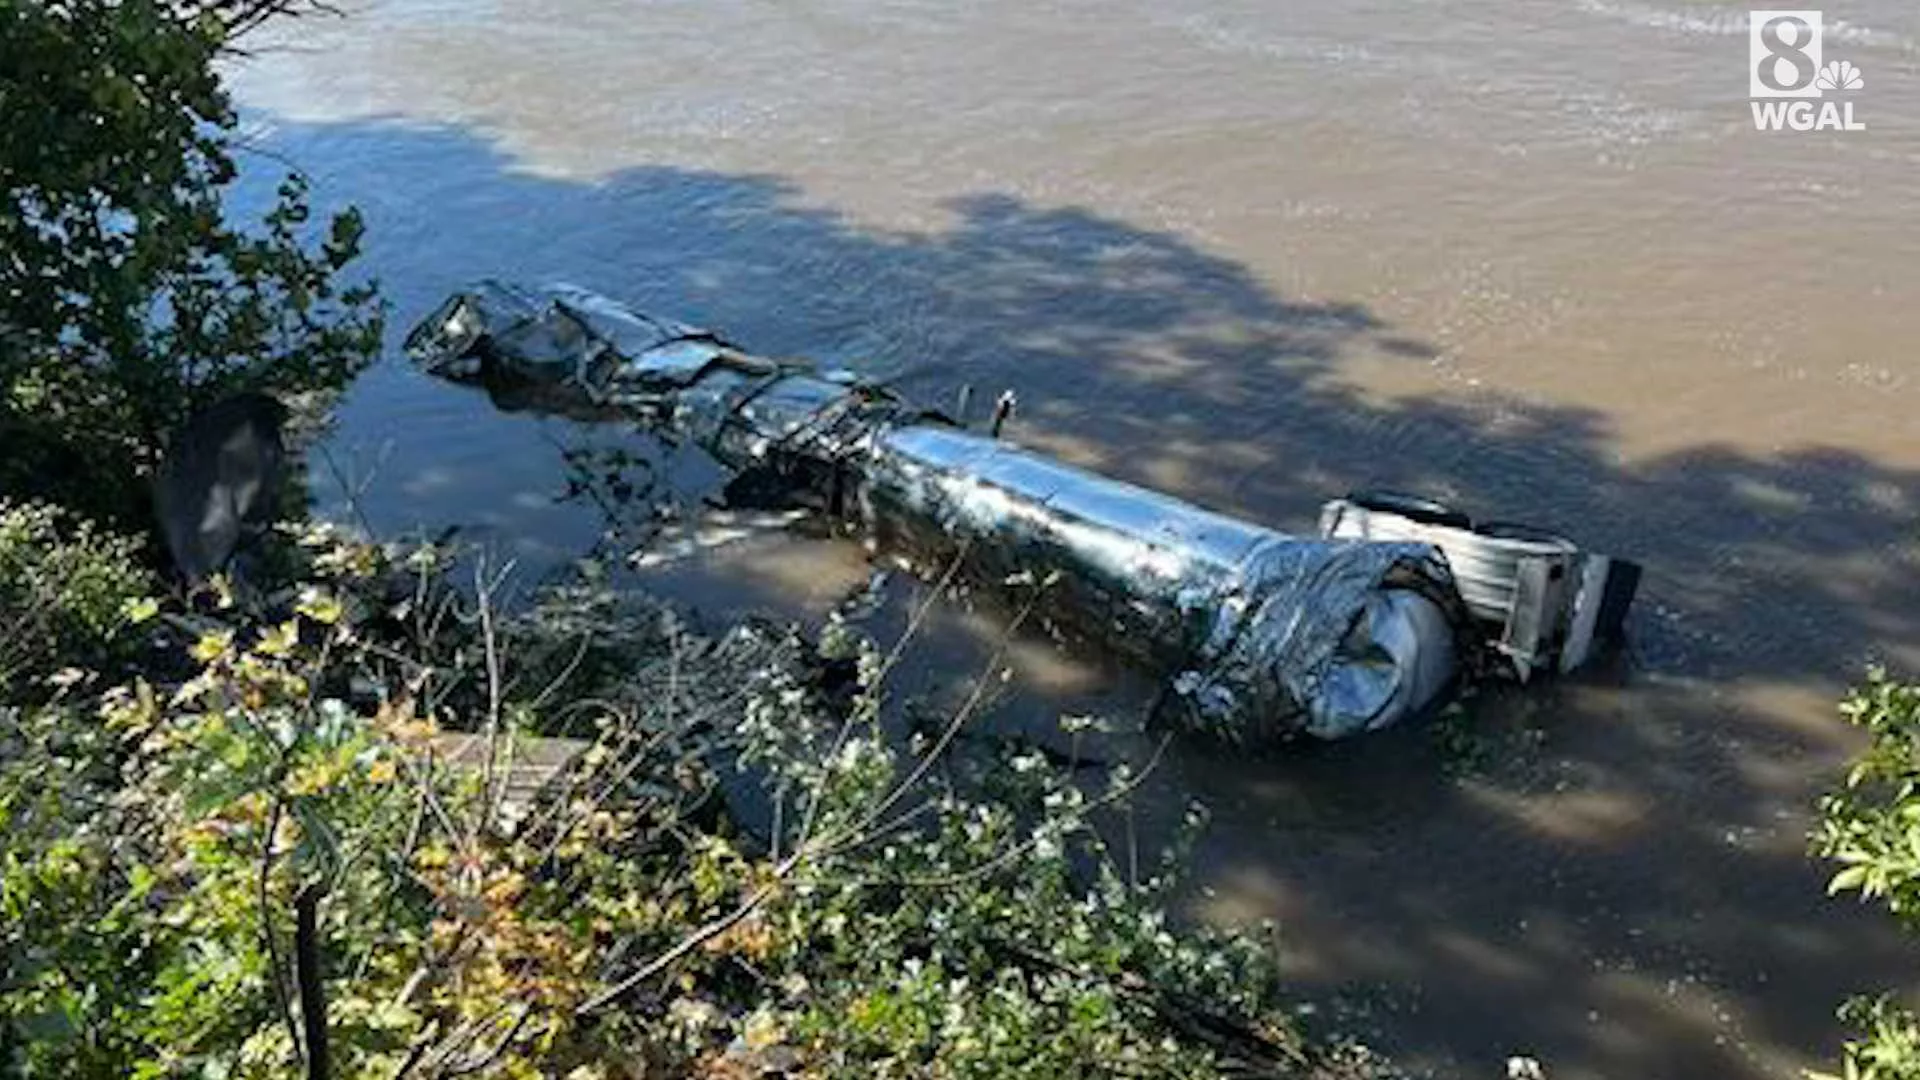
<point x="1259" y="634"/>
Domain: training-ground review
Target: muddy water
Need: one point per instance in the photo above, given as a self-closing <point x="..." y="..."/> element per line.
<point x="1532" y="257"/>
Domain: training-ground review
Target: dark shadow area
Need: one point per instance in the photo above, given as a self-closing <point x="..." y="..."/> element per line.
<point x="1615" y="884"/>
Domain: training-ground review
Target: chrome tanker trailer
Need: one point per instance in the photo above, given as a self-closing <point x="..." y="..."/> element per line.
<point x="1257" y="634"/>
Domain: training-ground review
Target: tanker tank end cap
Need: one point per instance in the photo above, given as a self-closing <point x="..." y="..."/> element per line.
<point x="1396" y="662"/>
<point x="1341" y="639"/>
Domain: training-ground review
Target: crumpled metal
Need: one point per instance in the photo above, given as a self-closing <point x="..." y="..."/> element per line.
<point x="1260" y="634"/>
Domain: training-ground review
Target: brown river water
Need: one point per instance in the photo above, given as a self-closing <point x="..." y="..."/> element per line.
<point x="1529" y="256"/>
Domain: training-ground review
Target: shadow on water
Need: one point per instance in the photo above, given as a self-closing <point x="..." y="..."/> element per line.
<point x="1607" y="875"/>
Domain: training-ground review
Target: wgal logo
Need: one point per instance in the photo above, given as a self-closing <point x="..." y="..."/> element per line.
<point x="1786" y="80"/>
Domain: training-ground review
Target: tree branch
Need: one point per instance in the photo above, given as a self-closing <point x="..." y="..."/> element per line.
<point x="306" y="966"/>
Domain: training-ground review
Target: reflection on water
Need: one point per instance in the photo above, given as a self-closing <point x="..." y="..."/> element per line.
<point x="1528" y="257"/>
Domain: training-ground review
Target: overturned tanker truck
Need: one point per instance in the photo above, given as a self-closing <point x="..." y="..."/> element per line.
<point x="1259" y="635"/>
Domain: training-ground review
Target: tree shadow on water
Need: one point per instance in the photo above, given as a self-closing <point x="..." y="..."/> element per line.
<point x="1616" y="883"/>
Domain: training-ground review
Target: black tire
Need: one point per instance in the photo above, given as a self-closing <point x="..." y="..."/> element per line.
<point x="1412" y="507"/>
<point x="1532" y="534"/>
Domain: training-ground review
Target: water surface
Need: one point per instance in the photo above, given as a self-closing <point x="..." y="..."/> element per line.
<point x="1528" y="256"/>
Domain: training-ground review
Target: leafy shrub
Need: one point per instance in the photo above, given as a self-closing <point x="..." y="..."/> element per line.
<point x="977" y="923"/>
<point x="126" y="297"/>
<point x="273" y="862"/>
<point x="68" y="593"/>
<point x="1871" y="826"/>
<point x="1888" y="1044"/>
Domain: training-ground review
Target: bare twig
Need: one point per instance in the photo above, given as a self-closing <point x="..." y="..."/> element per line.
<point x="276" y="967"/>
<point x="355" y="493"/>
<point x="480" y="1062"/>
<point x="573" y="665"/>
<point x="484" y="592"/>
<point x="692" y="941"/>
<point x="856" y="835"/>
<point x="417" y="1050"/>
<point x="914" y="621"/>
<point x="1003" y="858"/>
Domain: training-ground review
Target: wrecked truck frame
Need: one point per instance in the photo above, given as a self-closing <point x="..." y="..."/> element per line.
<point x="1258" y="634"/>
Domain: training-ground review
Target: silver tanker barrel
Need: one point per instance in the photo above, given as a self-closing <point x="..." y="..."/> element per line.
<point x="1260" y="635"/>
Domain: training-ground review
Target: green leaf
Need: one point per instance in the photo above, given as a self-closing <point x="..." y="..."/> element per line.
<point x="1850" y="878"/>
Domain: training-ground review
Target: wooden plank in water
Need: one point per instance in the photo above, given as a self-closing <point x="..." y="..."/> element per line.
<point x="533" y="762"/>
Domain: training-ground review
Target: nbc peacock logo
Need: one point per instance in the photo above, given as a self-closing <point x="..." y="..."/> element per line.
<point x="1791" y="90"/>
<point x="1840" y="75"/>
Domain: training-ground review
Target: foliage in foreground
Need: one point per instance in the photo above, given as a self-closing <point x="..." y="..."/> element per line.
<point x="64" y="586"/>
<point x="270" y="862"/>
<point x="1871" y="826"/>
<point x="127" y="299"/>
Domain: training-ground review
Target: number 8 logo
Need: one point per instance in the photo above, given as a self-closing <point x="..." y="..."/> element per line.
<point x="1794" y="53"/>
<point x="1784" y="42"/>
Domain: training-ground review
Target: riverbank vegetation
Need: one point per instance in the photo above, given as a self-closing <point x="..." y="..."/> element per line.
<point x="244" y="843"/>
<point x="282" y="826"/>
<point x="1870" y="825"/>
